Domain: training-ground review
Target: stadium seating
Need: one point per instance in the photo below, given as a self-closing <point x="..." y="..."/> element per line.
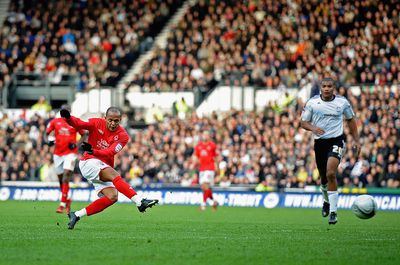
<point x="266" y="147"/>
<point x="95" y="40"/>
<point x="266" y="43"/>
<point x="278" y="44"/>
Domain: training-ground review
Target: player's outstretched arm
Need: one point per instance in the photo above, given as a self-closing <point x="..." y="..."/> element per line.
<point x="74" y="121"/>
<point x="87" y="148"/>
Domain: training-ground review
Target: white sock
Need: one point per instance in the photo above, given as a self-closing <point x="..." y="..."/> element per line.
<point x="210" y="201"/>
<point x="63" y="204"/>
<point x="324" y="190"/>
<point x="81" y="213"/>
<point x="333" y="199"/>
<point x="137" y="200"/>
<point x="203" y="204"/>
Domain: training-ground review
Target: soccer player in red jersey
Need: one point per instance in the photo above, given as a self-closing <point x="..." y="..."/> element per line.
<point x="106" y="138"/>
<point x="65" y="155"/>
<point x="205" y="152"/>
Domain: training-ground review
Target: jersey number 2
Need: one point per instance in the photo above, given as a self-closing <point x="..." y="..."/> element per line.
<point x="337" y="149"/>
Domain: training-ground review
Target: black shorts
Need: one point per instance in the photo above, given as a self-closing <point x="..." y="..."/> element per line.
<point x="325" y="148"/>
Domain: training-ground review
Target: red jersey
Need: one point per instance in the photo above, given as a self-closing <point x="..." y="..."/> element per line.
<point x="64" y="134"/>
<point x="206" y="153"/>
<point x="105" y="143"/>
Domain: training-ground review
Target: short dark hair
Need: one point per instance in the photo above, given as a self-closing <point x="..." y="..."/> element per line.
<point x="114" y="109"/>
<point x="329" y="79"/>
<point x="66" y="106"/>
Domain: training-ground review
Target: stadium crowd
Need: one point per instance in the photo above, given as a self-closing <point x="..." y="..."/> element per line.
<point x="278" y="44"/>
<point x="261" y="43"/>
<point x="266" y="148"/>
<point x="94" y="40"/>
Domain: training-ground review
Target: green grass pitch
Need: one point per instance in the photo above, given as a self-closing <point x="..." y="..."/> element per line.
<point x="32" y="233"/>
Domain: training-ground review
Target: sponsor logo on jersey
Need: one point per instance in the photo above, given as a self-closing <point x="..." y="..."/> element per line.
<point x="102" y="144"/>
<point x="203" y="153"/>
<point x="63" y="131"/>
<point x="331" y="115"/>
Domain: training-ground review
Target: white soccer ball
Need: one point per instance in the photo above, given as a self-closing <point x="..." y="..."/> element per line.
<point x="364" y="207"/>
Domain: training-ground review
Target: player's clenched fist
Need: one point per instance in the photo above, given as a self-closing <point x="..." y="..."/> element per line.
<point x="87" y="147"/>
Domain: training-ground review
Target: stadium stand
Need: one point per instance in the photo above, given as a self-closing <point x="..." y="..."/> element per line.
<point x="94" y="40"/>
<point x="273" y="44"/>
<point x="278" y="44"/>
<point x="266" y="147"/>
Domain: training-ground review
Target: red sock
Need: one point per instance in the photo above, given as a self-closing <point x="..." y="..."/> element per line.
<point x="209" y="194"/>
<point x="98" y="205"/>
<point x="205" y="196"/>
<point x="123" y="187"/>
<point x="64" y="192"/>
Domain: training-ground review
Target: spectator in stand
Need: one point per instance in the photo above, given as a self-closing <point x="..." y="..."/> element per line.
<point x="41" y="106"/>
<point x="267" y="145"/>
<point x="96" y="39"/>
<point x="181" y="108"/>
<point x="277" y="44"/>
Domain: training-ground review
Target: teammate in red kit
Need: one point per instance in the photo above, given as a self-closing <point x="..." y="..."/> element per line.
<point x="106" y="139"/>
<point x="205" y="151"/>
<point x="65" y="155"/>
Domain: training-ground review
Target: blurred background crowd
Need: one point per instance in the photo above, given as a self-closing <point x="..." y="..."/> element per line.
<point x="96" y="41"/>
<point x="263" y="43"/>
<point x="260" y="43"/>
<point x="278" y="44"/>
<point x="266" y="148"/>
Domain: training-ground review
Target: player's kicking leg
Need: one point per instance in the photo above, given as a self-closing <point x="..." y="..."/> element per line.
<point x="109" y="175"/>
<point x="145" y="203"/>
<point x="108" y="183"/>
<point x="110" y="197"/>
<point x="123" y="187"/>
